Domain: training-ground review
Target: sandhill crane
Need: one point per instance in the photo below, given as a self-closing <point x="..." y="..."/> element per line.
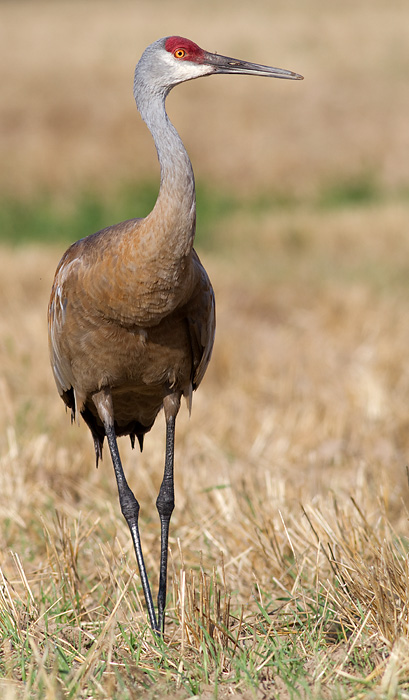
<point x="131" y="316"/>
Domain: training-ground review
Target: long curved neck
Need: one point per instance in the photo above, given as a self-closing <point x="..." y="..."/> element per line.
<point x="174" y="214"/>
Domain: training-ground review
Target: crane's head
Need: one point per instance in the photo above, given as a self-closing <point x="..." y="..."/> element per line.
<point x="173" y="60"/>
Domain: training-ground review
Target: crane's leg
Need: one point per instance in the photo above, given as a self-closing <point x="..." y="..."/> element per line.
<point x="165" y="502"/>
<point x="129" y="504"/>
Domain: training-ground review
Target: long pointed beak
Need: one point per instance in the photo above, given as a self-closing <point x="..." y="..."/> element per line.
<point x="224" y="64"/>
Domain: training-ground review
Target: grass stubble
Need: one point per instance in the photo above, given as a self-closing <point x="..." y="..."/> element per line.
<point x="289" y="565"/>
<point x="288" y="544"/>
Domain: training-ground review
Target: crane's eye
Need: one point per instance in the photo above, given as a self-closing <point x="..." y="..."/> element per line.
<point x="179" y="53"/>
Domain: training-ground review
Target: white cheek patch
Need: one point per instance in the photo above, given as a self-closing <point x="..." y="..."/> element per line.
<point x="184" y="70"/>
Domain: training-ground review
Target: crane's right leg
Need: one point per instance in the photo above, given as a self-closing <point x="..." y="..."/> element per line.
<point x="129" y="504"/>
<point x="165" y="502"/>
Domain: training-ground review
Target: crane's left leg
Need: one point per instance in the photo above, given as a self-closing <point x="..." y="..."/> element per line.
<point x="129" y="504"/>
<point x="165" y="502"/>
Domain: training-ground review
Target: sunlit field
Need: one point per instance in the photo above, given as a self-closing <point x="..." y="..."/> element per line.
<point x="288" y="548"/>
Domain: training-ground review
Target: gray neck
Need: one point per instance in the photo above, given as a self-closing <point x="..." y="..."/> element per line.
<point x="175" y="208"/>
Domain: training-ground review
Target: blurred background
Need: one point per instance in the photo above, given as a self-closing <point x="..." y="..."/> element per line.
<point x="68" y="122"/>
<point x="303" y="210"/>
<point x="303" y="226"/>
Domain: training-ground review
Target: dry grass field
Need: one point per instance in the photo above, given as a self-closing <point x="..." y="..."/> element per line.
<point x="289" y="565"/>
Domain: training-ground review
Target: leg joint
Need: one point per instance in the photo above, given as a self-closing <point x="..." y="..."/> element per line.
<point x="129" y="505"/>
<point x="165" y="506"/>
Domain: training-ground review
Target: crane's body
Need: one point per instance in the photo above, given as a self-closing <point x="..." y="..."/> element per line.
<point x="132" y="314"/>
<point x="114" y="324"/>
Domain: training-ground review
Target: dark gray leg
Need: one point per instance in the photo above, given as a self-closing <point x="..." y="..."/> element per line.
<point x="165" y="504"/>
<point x="130" y="510"/>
